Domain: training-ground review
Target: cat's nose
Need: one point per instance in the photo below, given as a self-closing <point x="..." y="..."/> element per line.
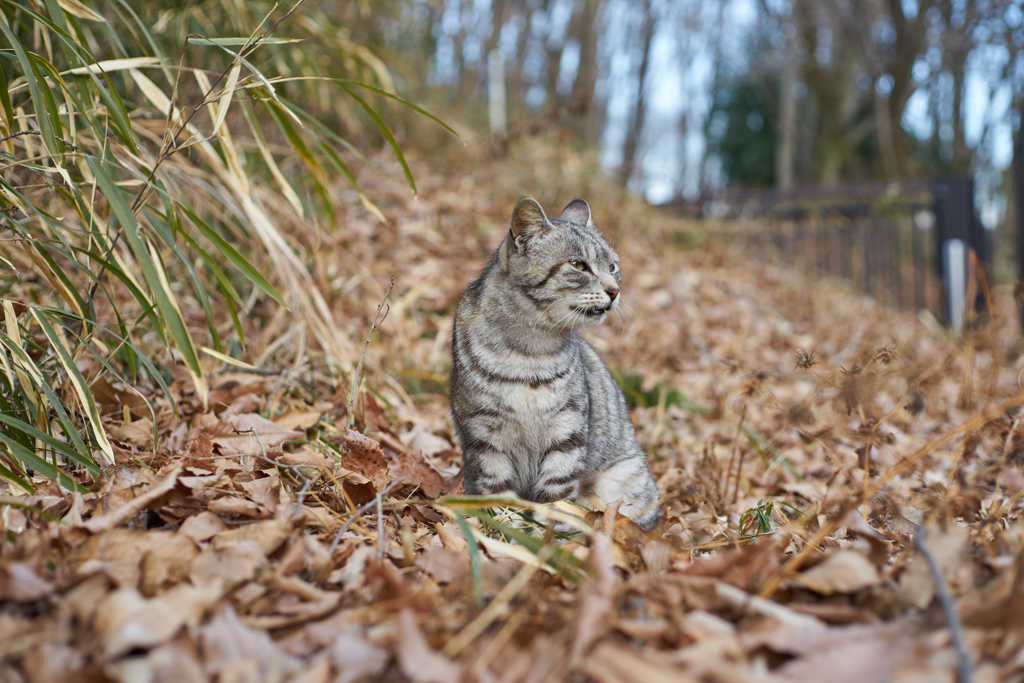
<point x="612" y="292"/>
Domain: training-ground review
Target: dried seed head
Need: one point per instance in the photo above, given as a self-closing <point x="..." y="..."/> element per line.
<point x="805" y="359"/>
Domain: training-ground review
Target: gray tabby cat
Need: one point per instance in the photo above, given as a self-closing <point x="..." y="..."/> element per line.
<point x="536" y="411"/>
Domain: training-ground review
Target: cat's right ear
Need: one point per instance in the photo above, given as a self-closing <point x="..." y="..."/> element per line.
<point x="528" y="220"/>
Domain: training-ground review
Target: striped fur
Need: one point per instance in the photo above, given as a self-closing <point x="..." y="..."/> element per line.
<point x="536" y="411"/>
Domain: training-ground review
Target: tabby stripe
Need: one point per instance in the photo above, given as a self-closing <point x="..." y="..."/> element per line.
<point x="551" y="273"/>
<point x="563" y="480"/>
<point x="482" y="412"/>
<point x="493" y="487"/>
<point x="477" y="445"/>
<point x="573" y="404"/>
<point x="539" y="302"/>
<point x="533" y="381"/>
<point x="576" y="440"/>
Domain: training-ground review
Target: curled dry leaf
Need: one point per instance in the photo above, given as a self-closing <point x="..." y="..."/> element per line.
<point x="844" y="571"/>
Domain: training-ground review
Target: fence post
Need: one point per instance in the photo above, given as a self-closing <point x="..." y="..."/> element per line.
<point x="957" y="230"/>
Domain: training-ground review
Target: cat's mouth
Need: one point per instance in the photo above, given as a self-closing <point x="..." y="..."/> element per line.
<point x="593" y="312"/>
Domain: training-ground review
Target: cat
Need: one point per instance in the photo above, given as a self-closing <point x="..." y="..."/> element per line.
<point x="536" y="411"/>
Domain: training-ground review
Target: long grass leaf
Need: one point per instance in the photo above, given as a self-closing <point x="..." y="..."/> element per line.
<point x="372" y="113"/>
<point x="153" y="272"/>
<point x="232" y="255"/>
<point x="85" y="397"/>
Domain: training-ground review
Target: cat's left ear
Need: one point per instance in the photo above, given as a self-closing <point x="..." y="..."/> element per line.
<point x="528" y="220"/>
<point x="576" y="212"/>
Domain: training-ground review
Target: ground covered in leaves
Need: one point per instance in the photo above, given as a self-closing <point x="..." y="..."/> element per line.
<point x="836" y="478"/>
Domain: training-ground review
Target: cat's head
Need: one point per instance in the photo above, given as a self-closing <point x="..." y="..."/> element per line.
<point x="561" y="265"/>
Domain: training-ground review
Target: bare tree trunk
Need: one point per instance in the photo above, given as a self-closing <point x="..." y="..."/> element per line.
<point x="517" y="80"/>
<point x="960" y="152"/>
<point x="1018" y="191"/>
<point x="636" y="122"/>
<point x="786" y="146"/>
<point x="581" y="99"/>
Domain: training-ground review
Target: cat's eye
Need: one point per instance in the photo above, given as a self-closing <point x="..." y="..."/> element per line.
<point x="613" y="267"/>
<point x="579" y="265"/>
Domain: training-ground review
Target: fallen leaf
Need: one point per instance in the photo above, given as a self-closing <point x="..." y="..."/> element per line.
<point x="844" y="571"/>
<point x="418" y="661"/>
<point x="233" y="649"/>
<point x="137" y="503"/>
<point x="250" y="434"/>
<point x="354" y="658"/>
<point x="20" y="583"/>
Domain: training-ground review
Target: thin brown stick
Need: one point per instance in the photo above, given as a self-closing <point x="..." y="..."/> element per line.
<point x="964" y="665"/>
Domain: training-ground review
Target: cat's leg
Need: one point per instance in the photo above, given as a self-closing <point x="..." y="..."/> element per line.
<point x="560" y="470"/>
<point x="489" y="472"/>
<point x="630" y="481"/>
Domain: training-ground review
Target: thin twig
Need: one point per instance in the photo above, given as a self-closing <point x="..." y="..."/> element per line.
<point x="296" y="470"/>
<point x="965" y="668"/>
<point x="383" y="308"/>
<point x="357" y="513"/>
<point x="18" y="134"/>
<point x="381" y="531"/>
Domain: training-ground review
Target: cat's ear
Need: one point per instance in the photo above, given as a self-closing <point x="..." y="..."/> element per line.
<point x="576" y="212"/>
<point x="528" y="220"/>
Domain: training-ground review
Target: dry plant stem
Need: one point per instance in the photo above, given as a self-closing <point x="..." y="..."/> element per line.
<point x="467" y="635"/>
<point x="382" y="312"/>
<point x="1009" y="440"/>
<point x="976" y="422"/>
<point x="500" y="639"/>
<point x="366" y="506"/>
<point x="965" y="667"/>
<point x="736" y="456"/>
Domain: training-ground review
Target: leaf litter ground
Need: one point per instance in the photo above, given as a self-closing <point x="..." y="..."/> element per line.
<point x="802" y="438"/>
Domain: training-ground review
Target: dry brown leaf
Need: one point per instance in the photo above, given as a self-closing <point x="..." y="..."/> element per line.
<point x="201" y="527"/>
<point x="165" y="664"/>
<point x="844" y="571"/>
<point x="418" y="661"/>
<point x="138" y="502"/>
<point x="126" y="620"/>
<point x="118" y="553"/>
<point x="413" y="469"/>
<point x="354" y="658"/>
<point x="300" y="419"/>
<point x="250" y="434"/>
<point x="235" y="651"/>
<point x="136" y="433"/>
<point x="20" y="583"/>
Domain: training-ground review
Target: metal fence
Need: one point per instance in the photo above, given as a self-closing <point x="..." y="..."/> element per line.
<point x="908" y="244"/>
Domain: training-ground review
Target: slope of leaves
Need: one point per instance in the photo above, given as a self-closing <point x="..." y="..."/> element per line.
<point x="304" y="528"/>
